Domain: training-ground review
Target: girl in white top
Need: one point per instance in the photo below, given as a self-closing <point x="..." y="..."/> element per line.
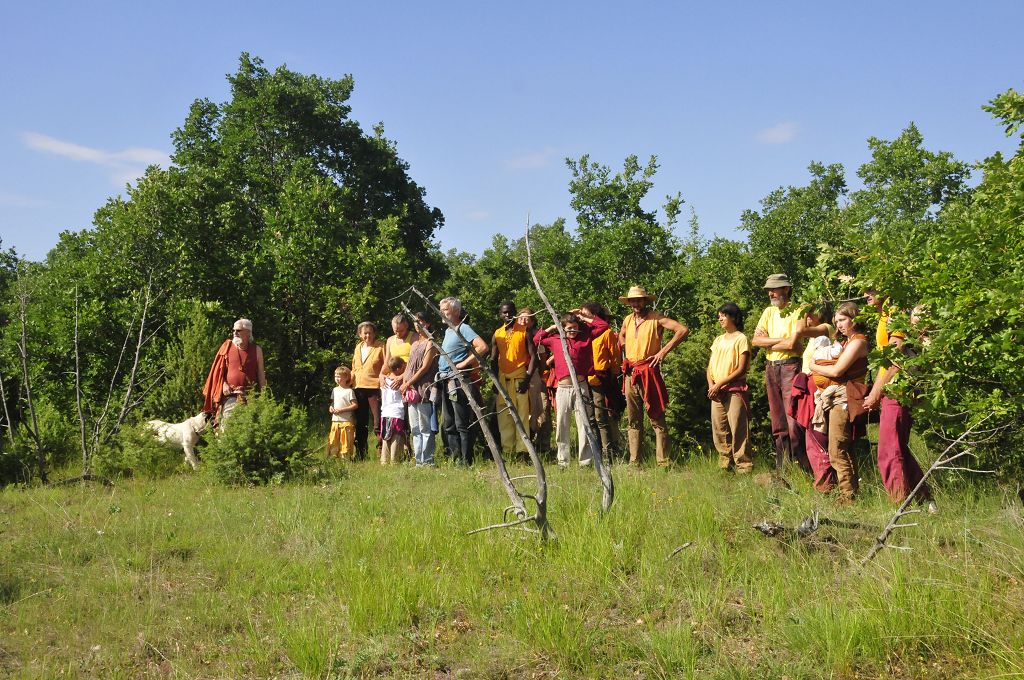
<point x="392" y="413"/>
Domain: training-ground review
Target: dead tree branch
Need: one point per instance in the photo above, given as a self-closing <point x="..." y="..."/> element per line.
<point x="607" y="485"/>
<point x="7" y="415"/>
<point x="516" y="498"/>
<point x="678" y="550"/>
<point x="33" y="430"/>
<point x="941" y="462"/>
<point x="503" y="525"/>
<point x="78" y="394"/>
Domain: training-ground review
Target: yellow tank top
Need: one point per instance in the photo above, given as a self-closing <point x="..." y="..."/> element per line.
<point x="644" y="341"/>
<point x="400" y="348"/>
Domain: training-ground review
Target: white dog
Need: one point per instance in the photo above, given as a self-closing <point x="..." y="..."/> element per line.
<point x="184" y="434"/>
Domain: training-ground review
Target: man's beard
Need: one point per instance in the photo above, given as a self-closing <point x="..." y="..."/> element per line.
<point x="239" y="343"/>
<point x="779" y="302"/>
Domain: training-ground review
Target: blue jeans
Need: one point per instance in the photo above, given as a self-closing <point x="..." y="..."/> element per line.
<point x="419" y="428"/>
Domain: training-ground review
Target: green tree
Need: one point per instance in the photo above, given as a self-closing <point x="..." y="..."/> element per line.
<point x="277" y="206"/>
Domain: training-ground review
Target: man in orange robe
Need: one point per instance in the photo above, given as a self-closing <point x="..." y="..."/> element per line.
<point x="236" y="369"/>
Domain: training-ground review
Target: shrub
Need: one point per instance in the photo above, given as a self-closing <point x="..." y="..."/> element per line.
<point x="263" y="441"/>
<point x="17" y="464"/>
<point x="135" y="452"/>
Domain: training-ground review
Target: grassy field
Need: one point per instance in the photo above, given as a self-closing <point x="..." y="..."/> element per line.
<point x="372" y="575"/>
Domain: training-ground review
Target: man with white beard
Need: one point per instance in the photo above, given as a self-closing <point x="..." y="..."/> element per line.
<point x="237" y="368"/>
<point x="774" y="329"/>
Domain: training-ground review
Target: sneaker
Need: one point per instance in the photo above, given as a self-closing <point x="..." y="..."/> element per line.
<point x="932" y="508"/>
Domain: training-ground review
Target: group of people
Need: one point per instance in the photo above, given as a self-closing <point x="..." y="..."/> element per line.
<point x="433" y="384"/>
<point x="409" y="389"/>
<point x="818" y="396"/>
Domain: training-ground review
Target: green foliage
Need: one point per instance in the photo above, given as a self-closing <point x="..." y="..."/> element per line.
<point x="135" y="452"/>
<point x="956" y="255"/>
<point x="263" y="441"/>
<point x="185" y="360"/>
<point x="785" y="236"/>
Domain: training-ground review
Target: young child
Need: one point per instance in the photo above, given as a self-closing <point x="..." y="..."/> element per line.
<point x="392" y="413"/>
<point x="341" y="440"/>
<point x="727" y="390"/>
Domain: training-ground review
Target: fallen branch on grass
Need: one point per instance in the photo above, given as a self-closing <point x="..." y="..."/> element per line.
<point x="87" y="477"/>
<point x="678" y="550"/>
<point x="943" y="462"/>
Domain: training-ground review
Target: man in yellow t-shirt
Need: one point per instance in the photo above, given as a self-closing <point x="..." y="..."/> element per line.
<point x="512" y="351"/>
<point x="774" y="331"/>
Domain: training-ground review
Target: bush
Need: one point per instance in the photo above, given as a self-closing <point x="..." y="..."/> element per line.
<point x="263" y="441"/>
<point x="17" y="464"/>
<point x="135" y="452"/>
<point x="58" y="438"/>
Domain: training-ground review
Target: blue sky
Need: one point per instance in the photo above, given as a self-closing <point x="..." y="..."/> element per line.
<point x="485" y="101"/>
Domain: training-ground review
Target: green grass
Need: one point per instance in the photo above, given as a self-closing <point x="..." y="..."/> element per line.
<point x="373" y="576"/>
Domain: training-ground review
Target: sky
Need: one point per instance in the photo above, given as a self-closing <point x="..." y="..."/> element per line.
<point x="486" y="100"/>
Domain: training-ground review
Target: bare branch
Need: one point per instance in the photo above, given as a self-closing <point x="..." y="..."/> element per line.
<point x="23" y="297"/>
<point x="7" y="416"/>
<point x="125" y="404"/>
<point x="941" y="461"/>
<point x="531" y="518"/>
<point x="510" y="488"/>
<point x="78" y="394"/>
<point x="678" y="550"/>
<point x="605" y="475"/>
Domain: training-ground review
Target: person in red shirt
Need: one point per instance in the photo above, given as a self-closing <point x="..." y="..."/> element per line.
<point x="581" y="327"/>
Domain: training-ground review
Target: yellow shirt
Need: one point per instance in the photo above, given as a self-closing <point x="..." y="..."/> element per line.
<point x="882" y="336"/>
<point x="607" y="356"/>
<point x="727" y="352"/>
<point x="513" y="358"/>
<point x="645" y="341"/>
<point x="780" y="324"/>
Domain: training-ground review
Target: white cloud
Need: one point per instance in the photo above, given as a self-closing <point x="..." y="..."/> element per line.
<point x="782" y="133"/>
<point x="125" y="166"/>
<point x="533" y="160"/>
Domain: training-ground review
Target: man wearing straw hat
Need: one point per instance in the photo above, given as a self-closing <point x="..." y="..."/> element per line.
<point x="642" y="382"/>
<point x="777" y="324"/>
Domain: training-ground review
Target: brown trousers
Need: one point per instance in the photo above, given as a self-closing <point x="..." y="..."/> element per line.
<point x="729" y="432"/>
<point x="840" y="440"/>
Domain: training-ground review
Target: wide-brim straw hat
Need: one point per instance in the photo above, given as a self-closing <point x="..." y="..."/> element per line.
<point x="636" y="292"/>
<point x="777" y="281"/>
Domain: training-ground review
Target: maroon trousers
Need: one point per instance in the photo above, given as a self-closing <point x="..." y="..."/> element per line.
<point x="825" y="478"/>
<point x="899" y="468"/>
<point x="786" y="432"/>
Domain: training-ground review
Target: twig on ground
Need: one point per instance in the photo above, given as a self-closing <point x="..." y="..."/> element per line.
<point x="678" y="550"/>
